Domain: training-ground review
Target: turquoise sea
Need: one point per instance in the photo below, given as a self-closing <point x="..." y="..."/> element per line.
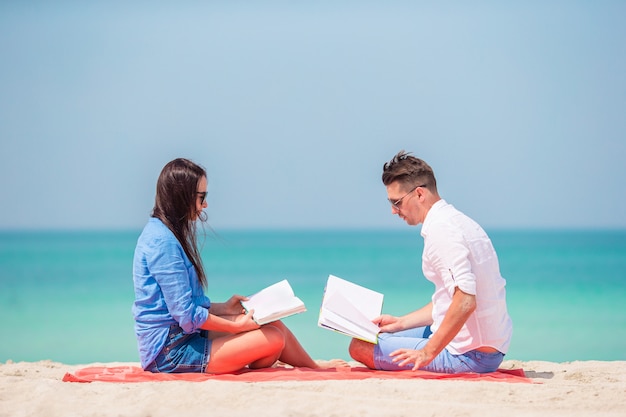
<point x="66" y="296"/>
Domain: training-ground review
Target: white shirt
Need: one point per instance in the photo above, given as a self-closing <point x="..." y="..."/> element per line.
<point x="458" y="253"/>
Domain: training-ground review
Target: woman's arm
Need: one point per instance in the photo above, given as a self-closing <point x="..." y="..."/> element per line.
<point x="230" y="317"/>
<point x="230" y="324"/>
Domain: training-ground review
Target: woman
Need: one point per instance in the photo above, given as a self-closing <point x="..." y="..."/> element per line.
<point x="178" y="328"/>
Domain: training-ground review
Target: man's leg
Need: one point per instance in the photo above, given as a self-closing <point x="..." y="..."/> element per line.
<point x="363" y="352"/>
<point x="367" y="353"/>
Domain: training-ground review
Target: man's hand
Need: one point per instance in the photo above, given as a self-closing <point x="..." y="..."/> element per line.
<point x="405" y="357"/>
<point x="388" y="324"/>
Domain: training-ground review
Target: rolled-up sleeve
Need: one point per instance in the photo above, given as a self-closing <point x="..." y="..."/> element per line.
<point x="449" y="258"/>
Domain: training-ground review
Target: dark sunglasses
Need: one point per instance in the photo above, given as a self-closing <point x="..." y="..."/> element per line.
<point x="202" y="196"/>
<point x="398" y="203"/>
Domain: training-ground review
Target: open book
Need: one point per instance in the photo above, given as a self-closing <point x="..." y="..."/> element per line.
<point x="349" y="308"/>
<point x="274" y="303"/>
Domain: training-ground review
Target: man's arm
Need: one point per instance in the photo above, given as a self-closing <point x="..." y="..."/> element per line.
<point x="364" y="351"/>
<point x="417" y="318"/>
<point x="462" y="306"/>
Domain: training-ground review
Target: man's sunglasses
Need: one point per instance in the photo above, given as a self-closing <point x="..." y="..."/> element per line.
<point x="398" y="203"/>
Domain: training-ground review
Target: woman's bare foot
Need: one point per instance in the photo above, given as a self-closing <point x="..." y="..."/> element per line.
<point x="333" y="363"/>
<point x="280" y="364"/>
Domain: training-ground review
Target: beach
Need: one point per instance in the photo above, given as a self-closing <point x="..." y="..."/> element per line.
<point x="580" y="388"/>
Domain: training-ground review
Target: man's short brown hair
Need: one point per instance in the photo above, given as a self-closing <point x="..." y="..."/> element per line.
<point x="409" y="171"/>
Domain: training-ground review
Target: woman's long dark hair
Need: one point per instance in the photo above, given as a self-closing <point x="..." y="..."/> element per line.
<point x="175" y="206"/>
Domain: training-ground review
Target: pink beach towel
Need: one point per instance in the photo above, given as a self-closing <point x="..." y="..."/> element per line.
<point x="136" y="374"/>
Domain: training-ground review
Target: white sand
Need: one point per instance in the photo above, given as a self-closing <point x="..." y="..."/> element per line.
<point x="589" y="388"/>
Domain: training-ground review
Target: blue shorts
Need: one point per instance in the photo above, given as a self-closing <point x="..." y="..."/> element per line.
<point x="183" y="352"/>
<point x="444" y="362"/>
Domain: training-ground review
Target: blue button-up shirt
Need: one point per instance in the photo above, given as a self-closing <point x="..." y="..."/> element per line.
<point x="167" y="290"/>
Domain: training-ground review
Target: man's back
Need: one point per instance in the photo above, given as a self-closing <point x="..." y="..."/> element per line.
<point x="459" y="254"/>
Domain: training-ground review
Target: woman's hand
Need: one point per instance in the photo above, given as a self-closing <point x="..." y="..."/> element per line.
<point x="231" y="323"/>
<point x="233" y="305"/>
<point x="229" y="308"/>
<point x="245" y="322"/>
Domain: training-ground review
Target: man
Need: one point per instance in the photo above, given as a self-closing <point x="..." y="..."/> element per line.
<point x="466" y="327"/>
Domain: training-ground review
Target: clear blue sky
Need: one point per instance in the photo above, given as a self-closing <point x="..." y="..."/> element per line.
<point x="293" y="107"/>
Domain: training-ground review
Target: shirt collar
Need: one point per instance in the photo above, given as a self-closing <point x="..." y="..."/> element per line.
<point x="432" y="213"/>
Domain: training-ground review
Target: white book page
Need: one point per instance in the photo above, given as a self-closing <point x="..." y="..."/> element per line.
<point x="366" y="301"/>
<point x="273" y="300"/>
<point x="341" y="315"/>
<point x="350" y="308"/>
